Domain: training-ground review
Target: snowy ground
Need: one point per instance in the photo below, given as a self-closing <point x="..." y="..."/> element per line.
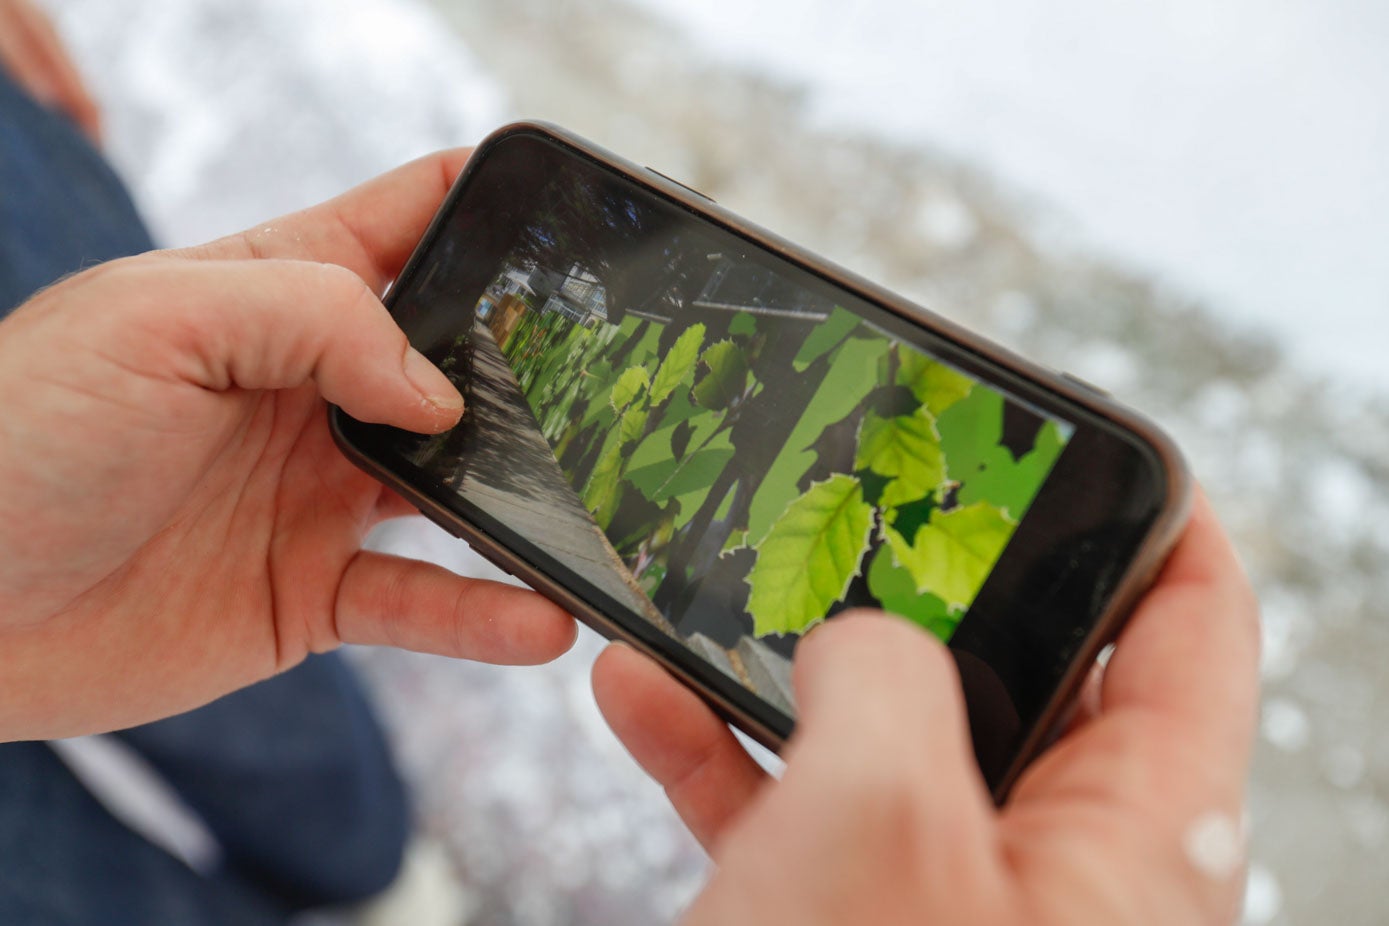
<point x="225" y="112"/>
<point x="1227" y="147"/>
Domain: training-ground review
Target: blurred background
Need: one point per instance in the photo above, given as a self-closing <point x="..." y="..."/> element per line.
<point x="1186" y="203"/>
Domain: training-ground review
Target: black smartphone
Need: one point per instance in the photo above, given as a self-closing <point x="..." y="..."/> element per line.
<point x="703" y="440"/>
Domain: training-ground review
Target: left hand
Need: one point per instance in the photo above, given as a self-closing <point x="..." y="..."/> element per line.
<point x="175" y="520"/>
<point x="33" y="54"/>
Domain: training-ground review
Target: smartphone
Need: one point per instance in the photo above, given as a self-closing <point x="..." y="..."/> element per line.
<point x="704" y="440"/>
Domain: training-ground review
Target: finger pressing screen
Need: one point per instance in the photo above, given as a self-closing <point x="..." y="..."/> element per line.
<point x="881" y="708"/>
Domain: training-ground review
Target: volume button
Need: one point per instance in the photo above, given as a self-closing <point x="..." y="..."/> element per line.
<point x="440" y="522"/>
<point x="1087" y="386"/>
<point x="495" y="562"/>
<point x="683" y="186"/>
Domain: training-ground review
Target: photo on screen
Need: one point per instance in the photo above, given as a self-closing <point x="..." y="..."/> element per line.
<point x="719" y="444"/>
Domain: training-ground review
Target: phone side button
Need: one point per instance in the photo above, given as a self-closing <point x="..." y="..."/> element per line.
<point x="495" y="562"/>
<point x="683" y="186"/>
<point x="439" y="522"/>
<point x="1088" y="387"/>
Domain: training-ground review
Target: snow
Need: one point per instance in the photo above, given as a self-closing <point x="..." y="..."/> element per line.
<point x="1232" y="148"/>
<point x="300" y="100"/>
<point x="1262" y="897"/>
<point x="1285" y="724"/>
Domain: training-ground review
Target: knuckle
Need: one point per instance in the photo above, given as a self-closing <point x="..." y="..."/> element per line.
<point x="341" y="290"/>
<point x="338" y="283"/>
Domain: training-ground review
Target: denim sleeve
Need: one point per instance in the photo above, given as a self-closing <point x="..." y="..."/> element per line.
<point x="62" y="207"/>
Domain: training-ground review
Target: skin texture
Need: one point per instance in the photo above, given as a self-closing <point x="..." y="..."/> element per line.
<point x="175" y="520"/>
<point x="881" y="815"/>
<point x="31" y="52"/>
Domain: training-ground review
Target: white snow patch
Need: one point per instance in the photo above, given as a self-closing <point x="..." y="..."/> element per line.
<point x="1341" y="492"/>
<point x="1263" y="898"/>
<point x="1285" y="724"/>
<point x="946" y="222"/>
<point x="223" y="112"/>
<point x="1287" y="629"/>
<point x="1104" y="363"/>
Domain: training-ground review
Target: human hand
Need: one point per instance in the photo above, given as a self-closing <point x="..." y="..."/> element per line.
<point x="175" y="519"/>
<point x="33" y="54"/>
<point x="881" y="817"/>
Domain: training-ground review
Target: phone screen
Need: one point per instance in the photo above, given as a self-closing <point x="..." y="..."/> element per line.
<point x="690" y="430"/>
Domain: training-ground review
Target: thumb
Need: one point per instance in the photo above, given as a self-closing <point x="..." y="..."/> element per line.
<point x="881" y="710"/>
<point x="278" y="324"/>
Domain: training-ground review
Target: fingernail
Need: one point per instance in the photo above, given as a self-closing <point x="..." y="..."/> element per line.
<point x="431" y="382"/>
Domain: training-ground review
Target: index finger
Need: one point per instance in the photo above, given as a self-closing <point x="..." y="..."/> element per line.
<point x="371" y="230"/>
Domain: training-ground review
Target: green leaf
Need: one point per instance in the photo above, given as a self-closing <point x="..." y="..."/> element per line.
<point x="645" y="349"/>
<point x="679" y="363"/>
<point x="698" y="471"/>
<point x="1013" y="484"/>
<point x="632" y="425"/>
<point x="743" y="324"/>
<point x="971" y="432"/>
<point x="652" y="461"/>
<point x="632" y="382"/>
<point x="727" y="377"/>
<point x="703" y="429"/>
<point x="907" y="448"/>
<point x="690" y="503"/>
<point x="853" y="373"/>
<point x="600" y="413"/>
<point x="953" y="553"/>
<point x="649" y="479"/>
<point x="809" y="557"/>
<point x="598" y="381"/>
<point x="653" y="449"/>
<point x="896" y="592"/>
<point x="607" y="469"/>
<point x="678" y="409"/>
<point x="825" y="338"/>
<point x="557" y="419"/>
<point x="601" y="491"/>
<point x="688" y="506"/>
<point x="934" y="384"/>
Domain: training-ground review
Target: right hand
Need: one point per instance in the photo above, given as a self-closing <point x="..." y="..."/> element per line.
<point x="882" y="816"/>
<point x="33" y="54"/>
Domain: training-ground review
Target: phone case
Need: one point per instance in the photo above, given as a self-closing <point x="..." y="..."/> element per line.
<point x="1142" y="569"/>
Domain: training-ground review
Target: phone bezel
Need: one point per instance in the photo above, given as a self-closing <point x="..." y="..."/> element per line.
<point x="1093" y="412"/>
